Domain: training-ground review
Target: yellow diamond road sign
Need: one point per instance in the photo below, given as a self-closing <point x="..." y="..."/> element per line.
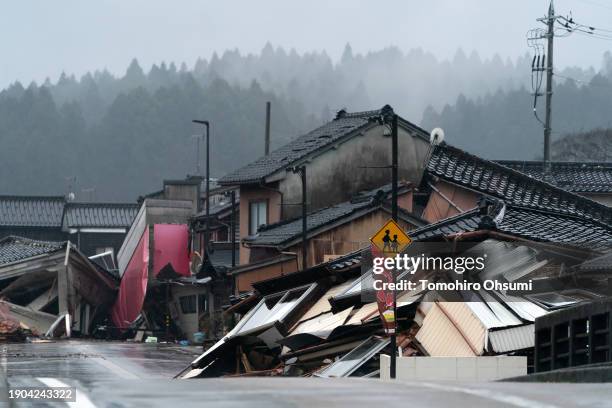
<point x="391" y="239"/>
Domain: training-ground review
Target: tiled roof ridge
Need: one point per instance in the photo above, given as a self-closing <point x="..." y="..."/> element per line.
<point x="539" y="163"/>
<point x="434" y="225"/>
<point x="31" y="242"/>
<point x="558" y="213"/>
<point x="32" y="197"/>
<point x="362" y="114"/>
<point x="581" y="201"/>
<point x="100" y="204"/>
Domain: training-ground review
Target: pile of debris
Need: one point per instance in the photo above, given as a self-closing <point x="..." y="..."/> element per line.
<point x="44" y="283"/>
<point x="11" y="330"/>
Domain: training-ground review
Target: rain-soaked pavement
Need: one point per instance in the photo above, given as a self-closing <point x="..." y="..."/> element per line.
<point x="140" y="375"/>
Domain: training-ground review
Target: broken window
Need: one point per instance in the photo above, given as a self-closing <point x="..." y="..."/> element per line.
<point x="258" y="215"/>
<point x="355" y="358"/>
<point x="271" y="309"/>
<point x="188" y="304"/>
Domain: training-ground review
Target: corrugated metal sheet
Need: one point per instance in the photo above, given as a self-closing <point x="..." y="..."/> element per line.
<point x="512" y="339"/>
<point x="322" y="325"/>
<point x="322" y="305"/>
<point x="524" y="308"/>
<point x="440" y="337"/>
<point x="366" y="312"/>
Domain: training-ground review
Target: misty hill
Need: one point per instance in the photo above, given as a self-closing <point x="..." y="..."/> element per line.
<point x="595" y="145"/>
<point x="502" y="125"/>
<point x="122" y="135"/>
<point x="142" y="137"/>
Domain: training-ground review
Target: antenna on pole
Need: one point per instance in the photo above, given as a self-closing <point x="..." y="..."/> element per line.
<point x="556" y="26"/>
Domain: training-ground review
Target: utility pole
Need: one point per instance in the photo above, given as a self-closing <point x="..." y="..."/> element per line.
<point x="394" y="167"/>
<point x="233" y="229"/>
<point x="394" y="182"/>
<point x="304" y="219"/>
<point x="302" y="172"/>
<point x="206" y="224"/>
<point x="550" y="35"/>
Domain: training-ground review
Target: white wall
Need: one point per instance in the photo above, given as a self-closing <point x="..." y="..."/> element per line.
<point x="454" y="368"/>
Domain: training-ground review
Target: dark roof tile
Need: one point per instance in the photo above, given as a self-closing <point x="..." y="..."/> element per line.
<point x="31" y="211"/>
<point x="14" y="249"/>
<point x="100" y="215"/>
<point x="578" y="177"/>
<point x="529" y="223"/>
<point x="344" y="125"/>
<point x="459" y="167"/>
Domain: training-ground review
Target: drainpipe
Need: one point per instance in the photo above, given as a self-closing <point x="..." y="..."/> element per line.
<point x="280" y="193"/>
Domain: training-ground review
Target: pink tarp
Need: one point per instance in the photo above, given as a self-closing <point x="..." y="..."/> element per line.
<point x="133" y="286"/>
<point x="171" y="246"/>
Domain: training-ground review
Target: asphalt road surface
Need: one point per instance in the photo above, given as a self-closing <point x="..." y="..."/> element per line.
<point x="140" y="375"/>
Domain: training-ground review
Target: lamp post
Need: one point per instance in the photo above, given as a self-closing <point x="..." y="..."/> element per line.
<point x="390" y="118"/>
<point x="207" y="125"/>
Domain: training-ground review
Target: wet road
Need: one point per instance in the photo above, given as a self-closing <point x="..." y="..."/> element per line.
<point x="129" y="375"/>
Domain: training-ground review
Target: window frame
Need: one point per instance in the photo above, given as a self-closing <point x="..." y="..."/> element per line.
<point x="182" y="305"/>
<point x="263" y="201"/>
<point x="308" y="290"/>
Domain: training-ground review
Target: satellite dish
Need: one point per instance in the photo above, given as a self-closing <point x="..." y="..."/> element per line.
<point x="195" y="263"/>
<point x="436" y="136"/>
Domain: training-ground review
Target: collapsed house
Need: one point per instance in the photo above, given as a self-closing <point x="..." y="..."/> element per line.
<point x="43" y="282"/>
<point x="325" y="320"/>
<point x="171" y="286"/>
<point x="322" y="322"/>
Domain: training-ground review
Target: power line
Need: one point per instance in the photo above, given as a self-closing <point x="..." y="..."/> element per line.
<point x="595" y="3"/>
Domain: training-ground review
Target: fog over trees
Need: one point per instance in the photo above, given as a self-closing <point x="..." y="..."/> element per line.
<point x="123" y="135"/>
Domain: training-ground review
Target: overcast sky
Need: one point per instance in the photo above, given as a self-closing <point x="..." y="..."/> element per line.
<point x="40" y="39"/>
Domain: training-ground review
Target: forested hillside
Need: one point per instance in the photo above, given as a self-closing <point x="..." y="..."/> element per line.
<point x="594" y="145"/>
<point x="120" y="136"/>
<point x="501" y="125"/>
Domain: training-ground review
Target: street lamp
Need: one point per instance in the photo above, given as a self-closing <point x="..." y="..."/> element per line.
<point x="390" y="119"/>
<point x="207" y="124"/>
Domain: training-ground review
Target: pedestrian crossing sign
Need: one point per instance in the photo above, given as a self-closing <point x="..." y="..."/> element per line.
<point x="391" y="239"/>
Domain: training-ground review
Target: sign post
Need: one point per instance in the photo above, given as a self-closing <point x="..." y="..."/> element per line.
<point x="389" y="241"/>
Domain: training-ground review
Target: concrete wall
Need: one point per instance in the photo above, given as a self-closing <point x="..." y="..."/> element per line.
<point x="183" y="191"/>
<point x="488" y="368"/>
<point x="336" y="175"/>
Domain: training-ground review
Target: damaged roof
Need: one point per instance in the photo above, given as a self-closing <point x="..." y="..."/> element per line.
<point x="345" y="125"/>
<point x="529" y="223"/>
<point x="14" y="249"/>
<point x="459" y="167"/>
<point x="283" y="233"/>
<point x="31" y="211"/>
<point x="99" y="215"/>
<point x="578" y="177"/>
